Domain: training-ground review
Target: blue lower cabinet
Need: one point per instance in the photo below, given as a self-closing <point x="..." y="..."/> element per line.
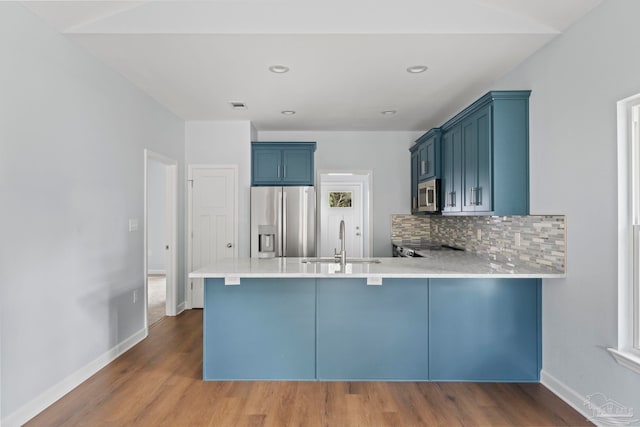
<point x="372" y="332"/>
<point x="484" y="329"/>
<point x="261" y="329"/>
<point x="342" y="329"/>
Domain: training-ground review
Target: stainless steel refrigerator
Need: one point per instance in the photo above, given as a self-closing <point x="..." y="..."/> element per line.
<point x="283" y="222"/>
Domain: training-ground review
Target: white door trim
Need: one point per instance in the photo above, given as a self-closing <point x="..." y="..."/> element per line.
<point x="190" y="169"/>
<point x="352" y="176"/>
<point x="171" y="231"/>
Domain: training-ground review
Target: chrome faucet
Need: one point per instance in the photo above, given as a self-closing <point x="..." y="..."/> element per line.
<point x="342" y="255"/>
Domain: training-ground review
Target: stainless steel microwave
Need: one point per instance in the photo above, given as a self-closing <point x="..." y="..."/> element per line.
<point x="428" y="195"/>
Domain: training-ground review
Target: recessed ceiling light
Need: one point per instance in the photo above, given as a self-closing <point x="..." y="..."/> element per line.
<point x="278" y="69"/>
<point x="388" y="112"/>
<point x="238" y="105"/>
<point x="415" y="69"/>
<point x="288" y="112"/>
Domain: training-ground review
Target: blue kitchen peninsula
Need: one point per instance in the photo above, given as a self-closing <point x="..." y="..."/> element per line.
<point x="448" y="317"/>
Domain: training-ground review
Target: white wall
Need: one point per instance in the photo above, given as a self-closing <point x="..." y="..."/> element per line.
<point x="72" y="135"/>
<point x="226" y="143"/>
<point x="576" y="81"/>
<point x="384" y="153"/>
<point x="157" y="217"/>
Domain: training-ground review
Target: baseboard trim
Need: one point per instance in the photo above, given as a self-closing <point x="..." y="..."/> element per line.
<point x="50" y="396"/>
<point x="181" y="307"/>
<point x="567" y="394"/>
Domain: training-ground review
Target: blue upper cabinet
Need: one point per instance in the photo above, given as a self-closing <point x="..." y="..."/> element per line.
<point x="266" y="165"/>
<point x="451" y="181"/>
<point x="476" y="152"/>
<point x="425" y="162"/>
<point x="427" y="148"/>
<point x="485" y="159"/>
<point x="297" y="166"/>
<point x="282" y="163"/>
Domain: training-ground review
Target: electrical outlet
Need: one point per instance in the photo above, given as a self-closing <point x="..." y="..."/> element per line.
<point x="517" y="239"/>
<point x="135" y="296"/>
<point x="133" y="224"/>
<point x="479" y="234"/>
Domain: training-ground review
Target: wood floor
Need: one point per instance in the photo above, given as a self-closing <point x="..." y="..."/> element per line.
<point x="158" y="383"/>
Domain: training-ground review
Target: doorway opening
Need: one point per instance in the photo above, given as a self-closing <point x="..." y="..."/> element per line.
<point x="345" y="195"/>
<point x="157" y="244"/>
<point x="160" y="215"/>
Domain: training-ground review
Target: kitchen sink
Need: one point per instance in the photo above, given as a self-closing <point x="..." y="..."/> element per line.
<point x="334" y="261"/>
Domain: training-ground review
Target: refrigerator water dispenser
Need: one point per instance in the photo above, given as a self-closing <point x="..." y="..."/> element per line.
<point x="266" y="241"/>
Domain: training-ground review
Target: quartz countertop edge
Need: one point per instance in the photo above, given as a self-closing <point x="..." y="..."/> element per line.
<point x="440" y="264"/>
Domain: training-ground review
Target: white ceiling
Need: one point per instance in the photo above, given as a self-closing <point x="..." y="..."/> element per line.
<point x="347" y="58"/>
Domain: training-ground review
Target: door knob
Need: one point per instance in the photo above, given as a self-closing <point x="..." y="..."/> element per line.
<point x="229" y="245"/>
<point x="357" y="234"/>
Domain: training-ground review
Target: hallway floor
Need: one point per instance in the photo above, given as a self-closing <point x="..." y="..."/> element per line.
<point x="157" y="295"/>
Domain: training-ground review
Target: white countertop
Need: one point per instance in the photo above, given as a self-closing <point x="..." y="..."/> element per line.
<point x="436" y="264"/>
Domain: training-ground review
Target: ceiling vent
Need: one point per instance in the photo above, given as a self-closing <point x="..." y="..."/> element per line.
<point x="238" y="105"/>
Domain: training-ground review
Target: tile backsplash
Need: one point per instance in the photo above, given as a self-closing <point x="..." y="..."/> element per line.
<point x="534" y="240"/>
<point x="410" y="227"/>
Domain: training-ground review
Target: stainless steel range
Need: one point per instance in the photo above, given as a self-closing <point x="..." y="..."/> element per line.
<point x="417" y="250"/>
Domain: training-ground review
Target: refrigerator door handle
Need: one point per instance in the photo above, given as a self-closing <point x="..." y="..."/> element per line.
<point x="278" y="210"/>
<point x="284" y="223"/>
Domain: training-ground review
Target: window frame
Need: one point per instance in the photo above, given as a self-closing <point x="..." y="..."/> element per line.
<point x="627" y="352"/>
<point x="633" y="114"/>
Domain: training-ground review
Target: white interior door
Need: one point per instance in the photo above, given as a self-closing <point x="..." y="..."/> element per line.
<point x="213" y="220"/>
<point x="341" y="201"/>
